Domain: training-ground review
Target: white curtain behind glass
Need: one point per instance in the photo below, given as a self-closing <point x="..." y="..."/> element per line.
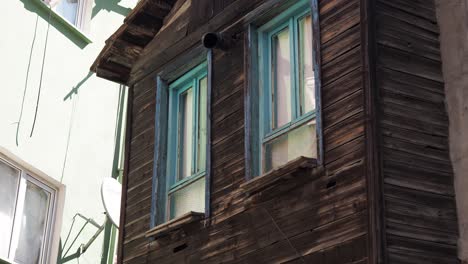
<point x="68" y="10"/>
<point x="33" y="224"/>
<point x="282" y="73"/>
<point x="190" y="198"/>
<point x="9" y="180"/>
<point x="307" y="78"/>
<point x="202" y="122"/>
<point x="298" y="142"/>
<point x="186" y="134"/>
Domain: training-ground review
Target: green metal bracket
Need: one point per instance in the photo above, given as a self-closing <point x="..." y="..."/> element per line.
<point x="83" y="247"/>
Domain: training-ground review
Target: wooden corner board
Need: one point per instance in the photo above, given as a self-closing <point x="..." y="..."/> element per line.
<point x="175" y="224"/>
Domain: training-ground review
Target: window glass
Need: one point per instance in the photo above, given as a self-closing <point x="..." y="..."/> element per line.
<point x="185" y="134"/>
<point x="189" y="198"/>
<point x="68" y="10"/>
<point x="307" y="78"/>
<point x="287" y="89"/>
<point x="9" y="180"/>
<point x="26" y="207"/>
<point x="33" y="224"/>
<point x="202" y="115"/>
<point x="298" y="142"/>
<point x="187" y="143"/>
<point x="281" y="97"/>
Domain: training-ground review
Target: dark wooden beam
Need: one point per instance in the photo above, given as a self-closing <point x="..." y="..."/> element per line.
<point x="376" y="225"/>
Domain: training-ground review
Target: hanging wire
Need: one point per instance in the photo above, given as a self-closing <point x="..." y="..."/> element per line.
<point x="26" y="82"/>
<point x="72" y="117"/>
<point x="299" y="255"/>
<point x="42" y="72"/>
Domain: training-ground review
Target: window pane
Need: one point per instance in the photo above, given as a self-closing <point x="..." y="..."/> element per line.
<point x="202" y="114"/>
<point x="281" y="99"/>
<point x="9" y="179"/>
<point x="33" y="224"/>
<point x="306" y="69"/>
<point x="185" y="134"/>
<point x="298" y="142"/>
<point x="190" y="198"/>
<point x="67" y="9"/>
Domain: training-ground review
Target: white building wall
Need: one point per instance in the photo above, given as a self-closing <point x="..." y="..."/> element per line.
<point x="85" y="121"/>
<point x="453" y="22"/>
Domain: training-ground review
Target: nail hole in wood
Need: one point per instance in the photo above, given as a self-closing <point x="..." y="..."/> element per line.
<point x="331" y="184"/>
<point x="179" y="248"/>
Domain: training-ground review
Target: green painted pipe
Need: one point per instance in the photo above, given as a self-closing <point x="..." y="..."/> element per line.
<point x="110" y="230"/>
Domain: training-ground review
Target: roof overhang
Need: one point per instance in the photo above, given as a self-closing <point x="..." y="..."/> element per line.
<point x="124" y="47"/>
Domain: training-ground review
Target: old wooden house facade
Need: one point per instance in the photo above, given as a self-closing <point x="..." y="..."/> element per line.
<point x="274" y="131"/>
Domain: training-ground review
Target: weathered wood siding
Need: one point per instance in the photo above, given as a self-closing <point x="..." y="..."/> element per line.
<point x="140" y="172"/>
<point x="323" y="220"/>
<point x="420" y="213"/>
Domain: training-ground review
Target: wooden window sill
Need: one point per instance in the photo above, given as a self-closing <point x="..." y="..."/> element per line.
<point x="280" y="175"/>
<point x="175" y="224"/>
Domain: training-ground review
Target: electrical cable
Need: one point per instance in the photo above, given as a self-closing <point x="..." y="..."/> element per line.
<point x="284" y="235"/>
<point x="42" y="73"/>
<point x="72" y="117"/>
<point x="26" y="82"/>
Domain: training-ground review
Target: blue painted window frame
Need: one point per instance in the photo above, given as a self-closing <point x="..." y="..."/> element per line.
<point x="163" y="181"/>
<point x="259" y="118"/>
<point x="189" y="80"/>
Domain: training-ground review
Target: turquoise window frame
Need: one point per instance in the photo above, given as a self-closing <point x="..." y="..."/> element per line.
<point x="265" y="34"/>
<point x="177" y="88"/>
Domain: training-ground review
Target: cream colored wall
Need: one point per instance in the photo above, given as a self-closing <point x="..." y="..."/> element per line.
<point x="453" y="22"/>
<point x="89" y="116"/>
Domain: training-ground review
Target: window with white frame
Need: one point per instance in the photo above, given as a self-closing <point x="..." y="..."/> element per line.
<point x="27" y="211"/>
<point x="286" y="81"/>
<point x="76" y="12"/>
<point x="187" y="143"/>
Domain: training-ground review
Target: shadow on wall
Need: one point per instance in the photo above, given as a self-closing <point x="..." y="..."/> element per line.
<point x="34" y="7"/>
<point x="110" y="6"/>
<point x="75" y="88"/>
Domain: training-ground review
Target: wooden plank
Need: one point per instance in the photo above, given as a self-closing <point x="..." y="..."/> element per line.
<point x="342" y="87"/>
<point x="343" y="109"/>
<point x="346" y="15"/>
<point x="177" y="223"/>
<point x="408" y="63"/>
<point x="341" y="66"/>
<point x="281" y="173"/>
<point x="407" y="39"/>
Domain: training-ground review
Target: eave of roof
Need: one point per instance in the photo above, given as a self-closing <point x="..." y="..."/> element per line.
<point x="123" y="48"/>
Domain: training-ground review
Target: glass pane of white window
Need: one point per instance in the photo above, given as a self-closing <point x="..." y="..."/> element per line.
<point x="202" y="122"/>
<point x="9" y="180"/>
<point x="189" y="198"/>
<point x="298" y="142"/>
<point x="306" y="69"/>
<point x="33" y="225"/>
<point x="281" y="99"/>
<point x="185" y="134"/>
<point x="68" y="10"/>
